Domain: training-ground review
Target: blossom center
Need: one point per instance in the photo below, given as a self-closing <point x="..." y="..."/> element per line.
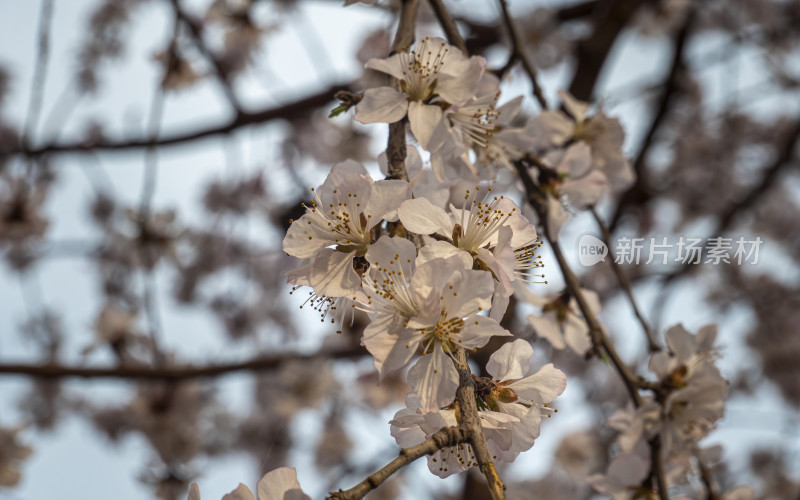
<point x="421" y="68"/>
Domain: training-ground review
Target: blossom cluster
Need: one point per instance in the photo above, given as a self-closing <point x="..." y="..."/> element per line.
<point x="688" y="399"/>
<point x="434" y="263"/>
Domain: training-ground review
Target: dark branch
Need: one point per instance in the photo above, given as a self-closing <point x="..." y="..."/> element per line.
<point x="593" y="50"/>
<point x="518" y="53"/>
<point x="669" y="91"/>
<point x="173" y="372"/>
<point x="444" y="438"/>
<point x="288" y="111"/>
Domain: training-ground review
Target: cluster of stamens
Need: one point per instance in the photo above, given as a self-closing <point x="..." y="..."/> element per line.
<point x="483" y="221"/>
<point x="333" y="308"/>
<point x="391" y="286"/>
<point x="477" y="120"/>
<point x="338" y="219"/>
<point x="422" y="66"/>
<point x="526" y="259"/>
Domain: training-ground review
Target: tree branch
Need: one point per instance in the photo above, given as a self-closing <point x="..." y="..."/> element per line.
<point x="471" y="425"/>
<point x="444" y="438"/>
<point x="288" y="111"/>
<point x="592" y="51"/>
<point x="625" y="282"/>
<point x="670" y="89"/>
<point x="448" y="25"/>
<point x="518" y="53"/>
<point x="174" y="373"/>
<point x="223" y="76"/>
<point x="596" y="331"/>
<point x="396" y="146"/>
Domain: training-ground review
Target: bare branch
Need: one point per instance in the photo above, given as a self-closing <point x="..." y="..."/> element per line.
<point x="518" y="53"/>
<point x="444" y="438"/>
<point x="652" y="345"/>
<point x="670" y="90"/>
<point x="288" y="111"/>
<point x="223" y="76"/>
<point x="174" y="373"/>
<point x="592" y="51"/>
<point x="396" y="147"/>
<point x="448" y="25"/>
<point x="39" y="74"/>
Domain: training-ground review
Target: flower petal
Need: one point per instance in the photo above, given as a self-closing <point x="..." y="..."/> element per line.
<point x="423" y="217"/>
<point x="423" y="119"/>
<point x="469" y="293"/>
<point x="478" y="330"/>
<point x="458" y="81"/>
<point x="391" y="351"/>
<point x="511" y="361"/>
<point x="280" y="484"/>
<point x="547" y="329"/>
<point x="333" y="274"/>
<point x="391" y="65"/>
<point x="241" y="492"/>
<point x="434" y="379"/>
<point x="543" y="386"/>
<point x="381" y="105"/>
<point x="386" y="197"/>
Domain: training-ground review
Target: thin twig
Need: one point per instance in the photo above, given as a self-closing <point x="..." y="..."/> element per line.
<point x="288" y="111"/>
<point x="196" y="31"/>
<point x="149" y="292"/>
<point x="670" y="90"/>
<point x="39" y="74"/>
<point x="444" y="438"/>
<point x="652" y="345"/>
<point x="518" y="53"/>
<point x="448" y="25"/>
<point x="600" y="339"/>
<point x="657" y="467"/>
<point x="708" y="481"/>
<point x="596" y="332"/>
<point x="174" y="373"/>
<point x="592" y="52"/>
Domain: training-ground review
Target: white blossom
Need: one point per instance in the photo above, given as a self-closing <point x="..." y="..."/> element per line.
<point x="431" y="76"/>
<point x="438" y="308"/>
<point x="337" y="227"/>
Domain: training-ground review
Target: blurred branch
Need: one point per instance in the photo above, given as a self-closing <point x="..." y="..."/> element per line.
<point x="175" y="372"/>
<point x="782" y="160"/>
<point x="39" y="73"/>
<point x="518" y="54"/>
<point x="600" y="340"/>
<point x="669" y="90"/>
<point x="444" y="438"/>
<point x="708" y="481"/>
<point x="196" y="31"/>
<point x="288" y="111"/>
<point x="591" y="52"/>
<point x="652" y="345"/>
<point x="448" y="25"/>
